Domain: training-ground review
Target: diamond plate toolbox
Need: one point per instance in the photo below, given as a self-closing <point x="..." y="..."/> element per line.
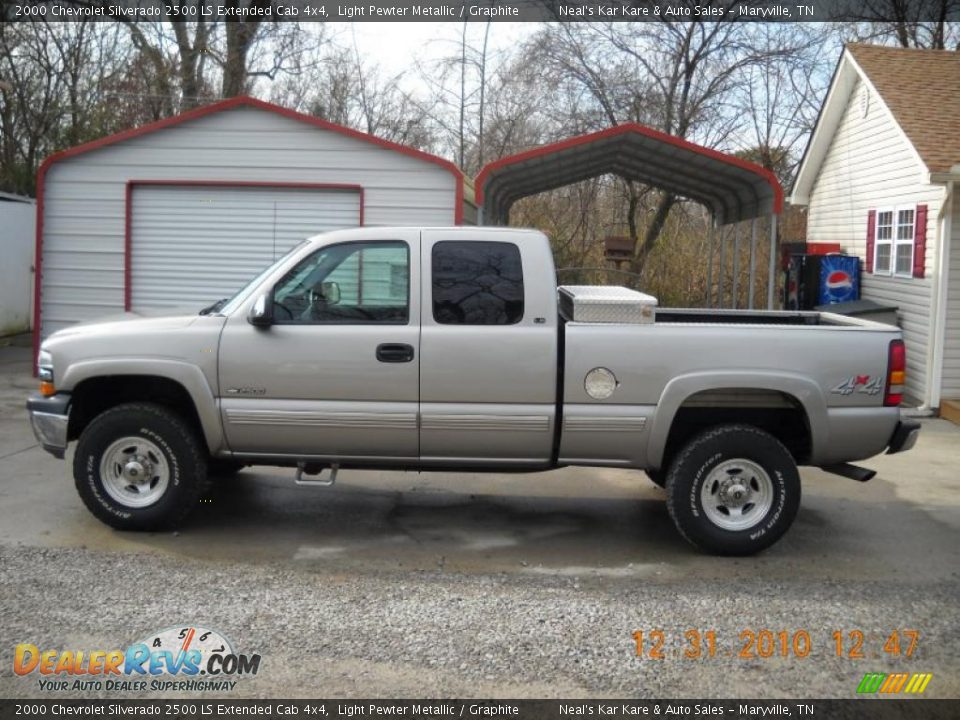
<point x="606" y="304"/>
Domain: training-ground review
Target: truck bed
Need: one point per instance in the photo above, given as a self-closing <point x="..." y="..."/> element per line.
<point x="736" y="358"/>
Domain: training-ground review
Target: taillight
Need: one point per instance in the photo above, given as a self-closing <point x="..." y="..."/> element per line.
<point x="896" y="373"/>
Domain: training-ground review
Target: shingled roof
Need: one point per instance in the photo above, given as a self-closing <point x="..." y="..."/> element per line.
<point x="922" y="90"/>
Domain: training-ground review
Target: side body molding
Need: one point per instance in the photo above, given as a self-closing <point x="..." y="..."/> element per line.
<point x="188" y="375"/>
<point x="676" y="392"/>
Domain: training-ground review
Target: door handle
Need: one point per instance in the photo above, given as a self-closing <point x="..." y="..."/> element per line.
<point x="394" y="352"/>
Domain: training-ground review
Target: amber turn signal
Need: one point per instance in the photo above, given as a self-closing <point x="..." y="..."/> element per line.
<point x="47" y="389"/>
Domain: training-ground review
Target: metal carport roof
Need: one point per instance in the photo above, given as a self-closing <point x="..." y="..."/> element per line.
<point x="731" y="188"/>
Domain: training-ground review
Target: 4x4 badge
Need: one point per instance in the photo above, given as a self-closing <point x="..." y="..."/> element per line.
<point x="859" y="383"/>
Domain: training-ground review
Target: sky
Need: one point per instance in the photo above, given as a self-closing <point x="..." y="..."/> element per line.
<point x="396" y="46"/>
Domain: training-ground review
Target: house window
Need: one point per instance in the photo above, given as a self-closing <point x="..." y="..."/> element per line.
<point x="893" y="242"/>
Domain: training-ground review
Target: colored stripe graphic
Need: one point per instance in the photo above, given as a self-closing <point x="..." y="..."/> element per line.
<point x="918" y="683"/>
<point x="871" y="682"/>
<point x="914" y="683"/>
<point x="894" y="683"/>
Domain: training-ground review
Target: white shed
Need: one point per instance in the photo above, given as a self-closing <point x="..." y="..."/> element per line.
<point x="879" y="178"/>
<point x="17" y="218"/>
<point x="184" y="211"/>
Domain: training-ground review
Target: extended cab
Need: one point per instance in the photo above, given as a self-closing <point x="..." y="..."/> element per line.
<point x="451" y="348"/>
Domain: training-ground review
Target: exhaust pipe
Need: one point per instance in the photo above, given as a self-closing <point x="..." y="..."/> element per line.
<point x="850" y="471"/>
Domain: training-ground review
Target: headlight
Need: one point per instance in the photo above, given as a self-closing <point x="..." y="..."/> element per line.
<point x="45" y="372"/>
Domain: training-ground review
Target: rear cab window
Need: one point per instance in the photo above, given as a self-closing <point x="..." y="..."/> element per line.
<point x="477" y="283"/>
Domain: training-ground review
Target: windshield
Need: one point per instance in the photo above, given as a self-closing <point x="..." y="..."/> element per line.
<point x="241" y="296"/>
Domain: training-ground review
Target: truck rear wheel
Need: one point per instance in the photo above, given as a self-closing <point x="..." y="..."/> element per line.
<point x="138" y="466"/>
<point x="733" y="490"/>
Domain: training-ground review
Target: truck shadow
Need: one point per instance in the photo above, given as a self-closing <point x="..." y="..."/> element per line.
<point x="405" y="522"/>
<point x="429" y="527"/>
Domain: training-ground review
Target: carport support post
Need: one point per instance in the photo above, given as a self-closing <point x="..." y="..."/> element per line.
<point x="772" y="279"/>
<point x="736" y="266"/>
<point x="753" y="260"/>
<point x="720" y="272"/>
<point x="709" y="298"/>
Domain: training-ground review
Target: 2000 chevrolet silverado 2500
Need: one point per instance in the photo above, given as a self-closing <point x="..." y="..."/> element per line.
<point x="451" y="348"/>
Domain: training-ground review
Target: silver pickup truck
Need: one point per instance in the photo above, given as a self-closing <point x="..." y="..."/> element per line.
<point x="453" y="349"/>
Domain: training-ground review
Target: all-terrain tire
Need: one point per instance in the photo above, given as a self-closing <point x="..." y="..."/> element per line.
<point x="150" y="440"/>
<point x="733" y="490"/>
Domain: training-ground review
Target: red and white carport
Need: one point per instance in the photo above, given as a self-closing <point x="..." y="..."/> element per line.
<point x="732" y="189"/>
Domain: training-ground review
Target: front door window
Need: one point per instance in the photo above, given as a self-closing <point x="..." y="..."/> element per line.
<point x="349" y="283"/>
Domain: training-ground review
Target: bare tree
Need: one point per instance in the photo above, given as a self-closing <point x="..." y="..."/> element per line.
<point x="678" y="77"/>
<point x="337" y="85"/>
<point x="185" y="48"/>
<point x="253" y="48"/>
<point x="193" y="51"/>
<point x="457" y="96"/>
<point x="55" y="75"/>
<point x="930" y="24"/>
<point x="564" y="215"/>
<point x="780" y="97"/>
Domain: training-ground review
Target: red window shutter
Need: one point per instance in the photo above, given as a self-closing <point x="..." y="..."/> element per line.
<point x="919" y="240"/>
<point x="871" y="236"/>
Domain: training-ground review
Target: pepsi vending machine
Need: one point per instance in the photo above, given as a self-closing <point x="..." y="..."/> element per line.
<point x="820" y="280"/>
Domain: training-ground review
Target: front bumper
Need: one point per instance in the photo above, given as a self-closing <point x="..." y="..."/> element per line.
<point x="904" y="436"/>
<point x="49" y="417"/>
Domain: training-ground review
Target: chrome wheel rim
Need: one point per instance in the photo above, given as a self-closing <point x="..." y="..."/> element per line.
<point x="737" y="494"/>
<point x="134" y="472"/>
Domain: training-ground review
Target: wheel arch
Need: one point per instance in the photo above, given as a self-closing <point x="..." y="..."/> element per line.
<point x="695" y="396"/>
<point x="98" y="385"/>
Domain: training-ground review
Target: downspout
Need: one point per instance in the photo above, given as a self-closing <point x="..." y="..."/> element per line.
<point x="939" y="314"/>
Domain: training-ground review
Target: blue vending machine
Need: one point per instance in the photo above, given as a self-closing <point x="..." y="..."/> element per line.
<point x="813" y="280"/>
<point x="839" y="279"/>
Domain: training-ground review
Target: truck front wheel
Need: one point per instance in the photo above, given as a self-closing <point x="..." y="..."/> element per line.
<point x="733" y="490"/>
<point x="138" y="466"/>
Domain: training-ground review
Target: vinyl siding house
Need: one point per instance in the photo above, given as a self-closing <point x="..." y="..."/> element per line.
<point x="879" y="177"/>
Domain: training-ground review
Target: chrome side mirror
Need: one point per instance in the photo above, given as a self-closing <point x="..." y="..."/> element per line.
<point x="261" y="314"/>
<point x="331" y="292"/>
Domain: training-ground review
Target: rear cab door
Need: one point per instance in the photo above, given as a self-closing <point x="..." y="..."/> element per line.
<point x="488" y="348"/>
